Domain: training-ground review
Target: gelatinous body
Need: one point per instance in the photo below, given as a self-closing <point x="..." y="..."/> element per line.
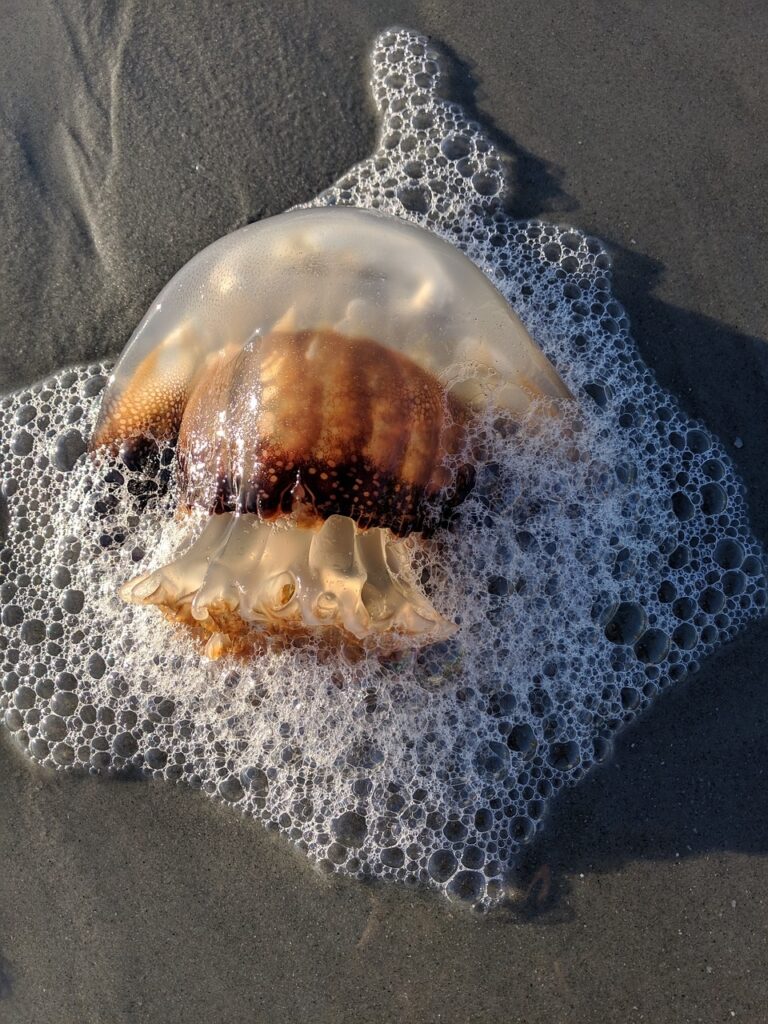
<point x="323" y="364"/>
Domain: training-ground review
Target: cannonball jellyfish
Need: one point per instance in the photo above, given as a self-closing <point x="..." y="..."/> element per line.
<point x="319" y="372"/>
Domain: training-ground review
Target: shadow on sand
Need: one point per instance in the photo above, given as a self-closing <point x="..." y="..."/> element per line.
<point x="688" y="777"/>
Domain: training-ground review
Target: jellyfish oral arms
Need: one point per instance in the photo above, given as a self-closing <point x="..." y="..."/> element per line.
<point x="320" y="371"/>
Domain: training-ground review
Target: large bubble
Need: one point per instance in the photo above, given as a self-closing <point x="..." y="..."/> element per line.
<point x="594" y="563"/>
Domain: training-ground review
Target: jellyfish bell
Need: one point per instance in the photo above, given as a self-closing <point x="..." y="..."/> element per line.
<point x="320" y="372"/>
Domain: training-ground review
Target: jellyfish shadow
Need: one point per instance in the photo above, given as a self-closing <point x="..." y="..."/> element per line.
<point x="730" y="368"/>
<point x="534" y="185"/>
<point x="687" y="777"/>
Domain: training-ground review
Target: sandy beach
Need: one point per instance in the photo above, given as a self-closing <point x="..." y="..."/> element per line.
<point x="134" y="135"/>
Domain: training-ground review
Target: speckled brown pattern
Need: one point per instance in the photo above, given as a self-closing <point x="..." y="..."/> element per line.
<point x="152" y="406"/>
<point x="318" y="423"/>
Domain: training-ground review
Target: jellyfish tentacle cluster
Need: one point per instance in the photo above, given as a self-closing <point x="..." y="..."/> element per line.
<point x="318" y="371"/>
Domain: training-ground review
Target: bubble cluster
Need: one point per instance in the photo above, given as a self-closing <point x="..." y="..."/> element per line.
<point x="593" y="563"/>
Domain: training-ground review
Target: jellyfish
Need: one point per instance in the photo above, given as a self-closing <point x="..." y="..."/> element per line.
<point x="320" y="373"/>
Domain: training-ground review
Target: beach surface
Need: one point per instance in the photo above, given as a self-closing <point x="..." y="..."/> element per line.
<point x="132" y="136"/>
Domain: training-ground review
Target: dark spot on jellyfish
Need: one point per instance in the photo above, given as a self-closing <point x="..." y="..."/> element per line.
<point x="466" y="886"/>
<point x="564" y="756"/>
<point x="230" y="789"/>
<point x="441" y="865"/>
<point x="713" y="499"/>
<point x="729" y="553"/>
<point x="350" y="829"/>
<point x="711" y="600"/>
<point x="415" y="200"/>
<point x="679" y="557"/>
<point x="667" y="591"/>
<point x="392" y="857"/>
<point x="685" y="636"/>
<point x="652" y="646"/>
<point x="626" y="623"/>
<point x="734" y="583"/>
<point x="69" y="447"/>
<point x="523" y="740"/>
<point x="125" y="745"/>
<point x="682" y="506"/>
<point x="599" y="392"/>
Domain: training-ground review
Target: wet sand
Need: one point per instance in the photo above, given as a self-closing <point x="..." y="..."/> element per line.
<point x="129" y="141"/>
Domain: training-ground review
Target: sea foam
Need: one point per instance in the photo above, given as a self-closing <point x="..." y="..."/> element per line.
<point x="593" y="564"/>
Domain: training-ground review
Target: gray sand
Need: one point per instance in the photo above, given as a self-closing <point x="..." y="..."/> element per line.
<point x="131" y="140"/>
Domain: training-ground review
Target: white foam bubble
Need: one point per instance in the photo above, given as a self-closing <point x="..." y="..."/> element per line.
<point x="591" y="566"/>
